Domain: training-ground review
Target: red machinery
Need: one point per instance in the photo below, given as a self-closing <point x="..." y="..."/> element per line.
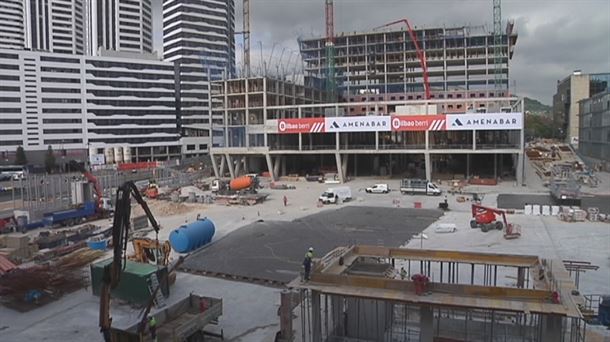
<point x="420" y="53"/>
<point x="485" y="218"/>
<point x="99" y="201"/>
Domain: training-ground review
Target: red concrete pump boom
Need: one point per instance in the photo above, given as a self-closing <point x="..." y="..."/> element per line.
<point x="420" y="53"/>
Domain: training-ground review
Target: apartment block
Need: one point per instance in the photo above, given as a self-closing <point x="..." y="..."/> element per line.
<point x="56" y="26"/>
<point x="12" y="28"/>
<point x="72" y="102"/>
<point x="120" y="25"/>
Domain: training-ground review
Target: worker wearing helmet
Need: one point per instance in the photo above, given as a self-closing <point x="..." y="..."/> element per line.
<point x="307" y="262"/>
<point x="152" y="328"/>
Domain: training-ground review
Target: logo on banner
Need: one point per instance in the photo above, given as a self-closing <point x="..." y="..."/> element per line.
<point x="358" y="124"/>
<point x="317" y="127"/>
<point x="335" y="124"/>
<point x="282" y="126"/>
<point x="457" y="122"/>
<point x="418" y="123"/>
<point x="303" y="125"/>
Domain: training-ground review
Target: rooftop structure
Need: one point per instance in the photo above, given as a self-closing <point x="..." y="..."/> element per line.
<point x="352" y="294"/>
<point x="460" y="60"/>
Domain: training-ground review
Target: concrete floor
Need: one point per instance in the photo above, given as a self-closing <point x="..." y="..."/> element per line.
<point x="250" y="311"/>
<point x="274" y="250"/>
<point x="518" y="201"/>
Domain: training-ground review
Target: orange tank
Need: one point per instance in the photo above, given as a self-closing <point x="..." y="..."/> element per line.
<point x="241" y="183"/>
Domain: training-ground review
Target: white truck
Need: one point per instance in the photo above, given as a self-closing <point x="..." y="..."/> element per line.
<point x="378" y="189"/>
<point x="419" y="186"/>
<point x="333" y="195"/>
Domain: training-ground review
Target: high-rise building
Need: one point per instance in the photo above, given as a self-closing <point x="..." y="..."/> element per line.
<point x="198" y="36"/>
<point x="594" y="137"/>
<point x="12" y="29"/>
<point x="55" y="25"/>
<point x="72" y="102"/>
<point x="120" y="25"/>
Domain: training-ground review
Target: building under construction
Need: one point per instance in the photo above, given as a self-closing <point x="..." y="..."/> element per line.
<point x="353" y="295"/>
<point x="457" y="62"/>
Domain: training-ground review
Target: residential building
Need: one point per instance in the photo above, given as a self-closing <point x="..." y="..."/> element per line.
<point x="594" y="135"/>
<point x="383" y="65"/>
<point x="12" y="28"/>
<point x="120" y="25"/>
<point x="570" y="91"/>
<point x="198" y="36"/>
<point x="55" y="26"/>
<point x="75" y="102"/>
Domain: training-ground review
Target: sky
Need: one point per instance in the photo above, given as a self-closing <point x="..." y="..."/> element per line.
<point x="555" y="38"/>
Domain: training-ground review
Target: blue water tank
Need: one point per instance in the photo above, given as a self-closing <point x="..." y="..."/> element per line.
<point x="189" y="237"/>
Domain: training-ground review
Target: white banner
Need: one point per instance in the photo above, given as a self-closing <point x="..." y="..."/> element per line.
<point x="484" y="121"/>
<point x="358" y="124"/>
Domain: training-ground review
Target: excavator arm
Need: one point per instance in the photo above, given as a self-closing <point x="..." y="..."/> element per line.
<point x="120" y="236"/>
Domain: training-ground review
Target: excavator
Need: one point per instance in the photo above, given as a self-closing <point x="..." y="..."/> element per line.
<point x="485" y="219"/>
<point x="120" y="234"/>
<point x="150" y="251"/>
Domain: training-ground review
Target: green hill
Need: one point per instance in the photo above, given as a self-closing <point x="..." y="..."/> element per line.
<point x="536" y="107"/>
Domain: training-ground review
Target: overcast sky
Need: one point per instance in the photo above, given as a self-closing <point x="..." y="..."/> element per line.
<point x="555" y="36"/>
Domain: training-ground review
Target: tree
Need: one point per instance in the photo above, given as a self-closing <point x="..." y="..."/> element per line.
<point x="20" y="158"/>
<point x="49" y="160"/>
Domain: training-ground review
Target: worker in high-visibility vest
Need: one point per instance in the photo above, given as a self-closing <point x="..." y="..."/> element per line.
<point x="152" y="328"/>
<point x="307" y="262"/>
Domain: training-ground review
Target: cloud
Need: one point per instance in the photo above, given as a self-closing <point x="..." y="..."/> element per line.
<point x="555" y="36"/>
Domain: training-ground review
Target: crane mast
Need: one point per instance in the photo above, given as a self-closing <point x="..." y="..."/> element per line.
<point x="331" y="85"/>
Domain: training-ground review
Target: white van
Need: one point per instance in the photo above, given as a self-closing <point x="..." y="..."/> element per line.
<point x="333" y="195"/>
<point x="419" y="186"/>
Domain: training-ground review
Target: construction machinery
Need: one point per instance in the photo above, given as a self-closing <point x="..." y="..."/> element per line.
<point x="152" y="191"/>
<point x="150" y="251"/>
<point x="421" y="55"/>
<point x="120" y="233"/>
<point x="485" y="218"/>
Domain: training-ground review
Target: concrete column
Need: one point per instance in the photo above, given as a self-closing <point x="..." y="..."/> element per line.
<point x="495" y="165"/>
<point x="426" y="324"/>
<point x="519" y="170"/>
<point x="338" y="319"/>
<point x="355" y="165"/>
<point x="377" y="140"/>
<point x="286" y="316"/>
<point x="223" y="164"/>
<point x="276" y="166"/>
<point x="283" y="159"/>
<point x="428" y="166"/>
<point x="230" y="165"/>
<point x="316" y="321"/>
<point x="474" y="140"/>
<point x="214" y="166"/>
<point x="551" y="328"/>
<point x="238" y="166"/>
<point x="467" y="166"/>
<point x="246" y="166"/>
<point x="344" y="165"/>
<point x="270" y="166"/>
<point x="339" y="167"/>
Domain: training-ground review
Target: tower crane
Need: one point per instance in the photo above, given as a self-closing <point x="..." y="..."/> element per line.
<point x="497" y="12"/>
<point x="246" y="35"/>
<point x="420" y="52"/>
<point x="331" y="85"/>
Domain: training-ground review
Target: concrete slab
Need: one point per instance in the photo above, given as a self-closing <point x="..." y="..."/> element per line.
<point x="274" y="250"/>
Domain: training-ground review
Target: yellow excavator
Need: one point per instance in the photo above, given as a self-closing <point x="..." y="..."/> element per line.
<point x="150" y="251"/>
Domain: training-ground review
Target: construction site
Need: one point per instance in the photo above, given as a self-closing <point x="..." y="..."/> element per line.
<point x="389" y="196"/>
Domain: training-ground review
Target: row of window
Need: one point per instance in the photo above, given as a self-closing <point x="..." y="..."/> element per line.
<point x="61" y="121"/>
<point x="62" y="131"/>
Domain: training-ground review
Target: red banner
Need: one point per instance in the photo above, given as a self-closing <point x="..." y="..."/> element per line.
<point x="136" y="166"/>
<point x="304" y="125"/>
<point x="418" y="122"/>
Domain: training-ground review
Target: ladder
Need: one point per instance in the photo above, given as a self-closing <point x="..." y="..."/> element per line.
<point x="159" y="298"/>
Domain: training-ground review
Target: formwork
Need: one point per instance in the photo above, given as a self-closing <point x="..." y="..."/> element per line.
<point x="462" y="301"/>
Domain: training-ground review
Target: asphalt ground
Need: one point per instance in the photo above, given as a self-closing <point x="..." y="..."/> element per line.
<point x="274" y="250"/>
<point x="518" y="201"/>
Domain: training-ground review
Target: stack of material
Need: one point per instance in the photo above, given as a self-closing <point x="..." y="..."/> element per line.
<point x="26" y="288"/>
<point x="17" y="248"/>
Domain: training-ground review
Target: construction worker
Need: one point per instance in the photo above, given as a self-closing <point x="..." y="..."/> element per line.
<point x="403" y="273"/>
<point x="285" y="200"/>
<point x="307" y="262"/>
<point x="152" y="328"/>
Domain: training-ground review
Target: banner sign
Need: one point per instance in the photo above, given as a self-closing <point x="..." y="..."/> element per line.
<point x="418" y="123"/>
<point x="485" y="121"/>
<point x="97" y="159"/>
<point x="401" y="123"/>
<point x="358" y="124"/>
<point x="305" y="125"/>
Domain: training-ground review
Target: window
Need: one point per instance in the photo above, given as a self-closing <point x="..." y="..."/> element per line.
<point x="190" y="147"/>
<point x="203" y="147"/>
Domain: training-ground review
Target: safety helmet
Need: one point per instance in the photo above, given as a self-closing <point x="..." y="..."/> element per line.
<point x="311" y="249"/>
